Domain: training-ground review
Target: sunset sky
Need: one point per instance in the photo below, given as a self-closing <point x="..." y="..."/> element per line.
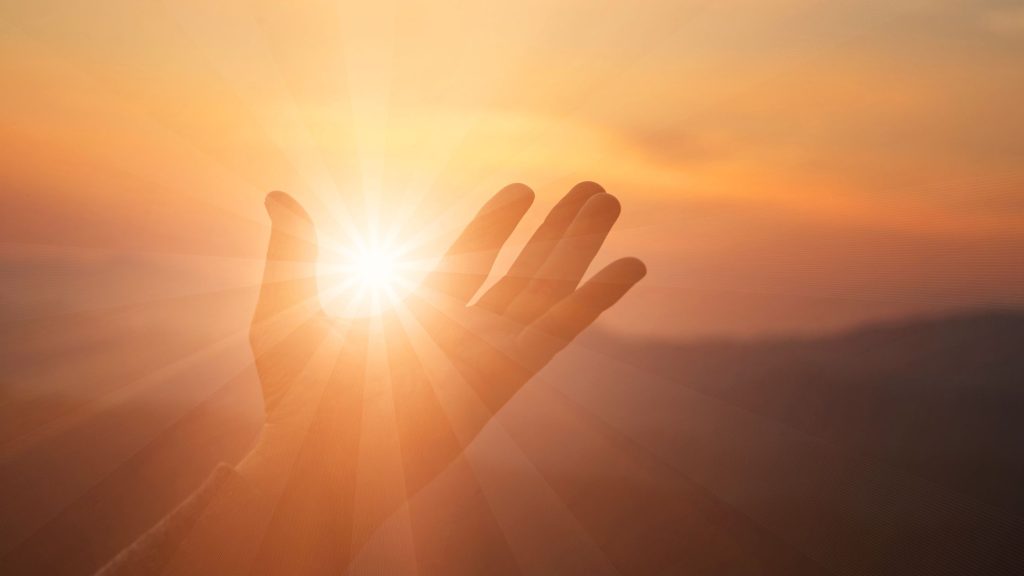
<point x="784" y="165"/>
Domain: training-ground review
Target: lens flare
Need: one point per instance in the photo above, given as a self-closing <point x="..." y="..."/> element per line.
<point x="375" y="270"/>
<point x="365" y="278"/>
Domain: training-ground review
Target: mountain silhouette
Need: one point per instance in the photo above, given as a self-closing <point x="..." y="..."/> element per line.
<point x="940" y="397"/>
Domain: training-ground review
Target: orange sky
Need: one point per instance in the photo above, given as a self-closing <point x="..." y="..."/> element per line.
<point x="784" y="165"/>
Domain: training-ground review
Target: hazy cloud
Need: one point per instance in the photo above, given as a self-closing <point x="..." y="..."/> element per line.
<point x="1006" y="20"/>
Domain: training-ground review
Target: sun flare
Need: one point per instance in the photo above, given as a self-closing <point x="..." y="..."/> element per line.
<point x="375" y="270"/>
<point x="365" y="278"/>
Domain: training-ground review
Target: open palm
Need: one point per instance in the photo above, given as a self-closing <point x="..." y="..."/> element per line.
<point x="450" y="364"/>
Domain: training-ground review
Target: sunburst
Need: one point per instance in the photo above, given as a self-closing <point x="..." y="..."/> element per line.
<point x="366" y="276"/>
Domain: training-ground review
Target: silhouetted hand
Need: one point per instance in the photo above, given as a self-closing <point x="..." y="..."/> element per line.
<point x="425" y="377"/>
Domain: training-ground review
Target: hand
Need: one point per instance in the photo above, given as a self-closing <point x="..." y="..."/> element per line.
<point x="449" y="364"/>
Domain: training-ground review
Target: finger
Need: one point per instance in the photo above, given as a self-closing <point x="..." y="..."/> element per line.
<point x="563" y="322"/>
<point x="563" y="269"/>
<point x="289" y="276"/>
<point x="540" y="246"/>
<point x="468" y="262"/>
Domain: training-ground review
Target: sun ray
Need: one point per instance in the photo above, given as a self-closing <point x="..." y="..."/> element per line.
<point x="84" y="474"/>
<point x="283" y="125"/>
<point x="200" y="159"/>
<point x="288" y="319"/>
<point x="380" y="474"/>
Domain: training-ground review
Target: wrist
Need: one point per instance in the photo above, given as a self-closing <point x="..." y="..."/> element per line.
<point x="265" y="466"/>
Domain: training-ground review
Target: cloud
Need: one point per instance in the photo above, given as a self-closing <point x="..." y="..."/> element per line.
<point x="1006" y="21"/>
<point x="673" y="146"/>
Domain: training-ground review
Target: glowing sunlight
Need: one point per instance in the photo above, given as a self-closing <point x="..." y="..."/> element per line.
<point x="447" y="288"/>
<point x="365" y="277"/>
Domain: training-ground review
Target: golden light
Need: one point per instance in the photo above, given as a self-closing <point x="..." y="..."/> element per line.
<point x="365" y="277"/>
<point x="375" y="270"/>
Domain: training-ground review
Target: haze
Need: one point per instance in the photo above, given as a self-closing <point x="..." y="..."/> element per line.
<point x="785" y="166"/>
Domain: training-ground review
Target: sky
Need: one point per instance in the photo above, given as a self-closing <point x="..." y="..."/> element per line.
<point x="785" y="166"/>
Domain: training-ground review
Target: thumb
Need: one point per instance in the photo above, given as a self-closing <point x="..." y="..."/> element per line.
<point x="289" y="276"/>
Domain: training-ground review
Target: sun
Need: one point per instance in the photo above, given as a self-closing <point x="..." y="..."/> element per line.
<point x="364" y="277"/>
<point x="375" y="270"/>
